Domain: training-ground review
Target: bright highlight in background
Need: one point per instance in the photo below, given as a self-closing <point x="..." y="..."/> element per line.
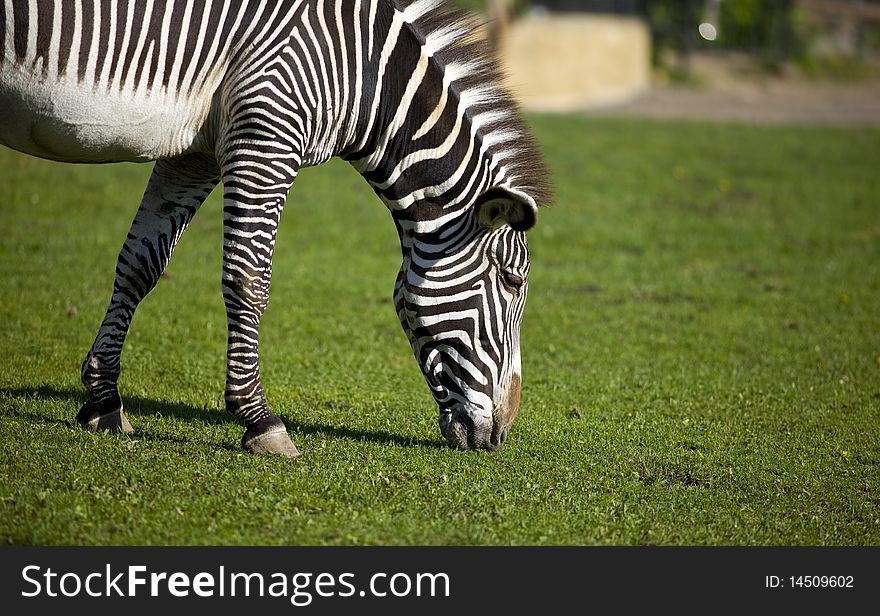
<point x="708" y="31"/>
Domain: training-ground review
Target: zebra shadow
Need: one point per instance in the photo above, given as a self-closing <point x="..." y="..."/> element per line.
<point x="139" y="406"/>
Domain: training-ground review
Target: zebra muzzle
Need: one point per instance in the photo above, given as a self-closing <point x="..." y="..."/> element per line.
<point x="468" y="429"/>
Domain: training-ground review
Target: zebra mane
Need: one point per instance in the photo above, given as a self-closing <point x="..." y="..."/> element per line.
<point x="454" y="36"/>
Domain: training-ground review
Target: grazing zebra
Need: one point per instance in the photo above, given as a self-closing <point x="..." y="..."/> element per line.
<point x="246" y="92"/>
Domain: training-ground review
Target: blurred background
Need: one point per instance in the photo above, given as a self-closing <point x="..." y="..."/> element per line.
<point x="759" y="60"/>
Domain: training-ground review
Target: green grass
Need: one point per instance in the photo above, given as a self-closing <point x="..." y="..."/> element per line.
<point x="701" y="353"/>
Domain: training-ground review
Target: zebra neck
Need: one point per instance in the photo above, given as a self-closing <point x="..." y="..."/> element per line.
<point x="427" y="136"/>
<point x="439" y="236"/>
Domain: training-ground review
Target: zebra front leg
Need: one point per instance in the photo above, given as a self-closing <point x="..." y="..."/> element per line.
<point x="174" y="193"/>
<point x="251" y="210"/>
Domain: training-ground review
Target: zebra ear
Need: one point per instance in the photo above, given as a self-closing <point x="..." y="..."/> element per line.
<point x="501" y="206"/>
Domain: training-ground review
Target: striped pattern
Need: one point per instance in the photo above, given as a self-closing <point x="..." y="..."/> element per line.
<point x="248" y="92"/>
<point x="461" y="302"/>
<point x="126" y="45"/>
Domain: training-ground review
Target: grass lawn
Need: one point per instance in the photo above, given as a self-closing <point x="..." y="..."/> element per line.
<point x="701" y="359"/>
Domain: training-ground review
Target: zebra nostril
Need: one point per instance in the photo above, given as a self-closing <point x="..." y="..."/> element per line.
<point x="497" y="439"/>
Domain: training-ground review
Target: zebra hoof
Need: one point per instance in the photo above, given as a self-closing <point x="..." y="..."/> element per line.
<point x="92" y="418"/>
<point x="269" y="435"/>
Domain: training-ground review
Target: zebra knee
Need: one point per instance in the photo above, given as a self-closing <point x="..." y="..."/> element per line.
<point x="245" y="291"/>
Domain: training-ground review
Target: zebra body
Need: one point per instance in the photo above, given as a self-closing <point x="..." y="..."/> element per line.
<point x="249" y="92"/>
<point x="133" y="93"/>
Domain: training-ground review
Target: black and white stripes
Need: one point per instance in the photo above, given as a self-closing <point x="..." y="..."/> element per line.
<point x="123" y="45"/>
<point x="248" y="92"/>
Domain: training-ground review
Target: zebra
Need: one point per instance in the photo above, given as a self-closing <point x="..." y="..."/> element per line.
<point x="247" y="93"/>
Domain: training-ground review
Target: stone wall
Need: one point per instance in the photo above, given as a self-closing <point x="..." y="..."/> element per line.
<point x="569" y="61"/>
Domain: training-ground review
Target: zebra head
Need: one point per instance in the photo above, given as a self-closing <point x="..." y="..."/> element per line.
<point x="445" y="147"/>
<point x="460" y="295"/>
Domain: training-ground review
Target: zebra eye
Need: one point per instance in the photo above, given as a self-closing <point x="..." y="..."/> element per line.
<point x="512" y="281"/>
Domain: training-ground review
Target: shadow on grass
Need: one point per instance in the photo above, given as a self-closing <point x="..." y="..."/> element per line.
<point x="138" y="406"/>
